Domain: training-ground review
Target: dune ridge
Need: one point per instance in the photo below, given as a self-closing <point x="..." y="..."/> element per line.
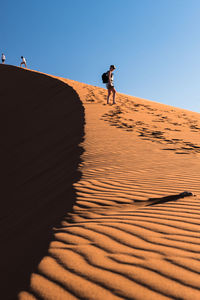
<point x="113" y="244"/>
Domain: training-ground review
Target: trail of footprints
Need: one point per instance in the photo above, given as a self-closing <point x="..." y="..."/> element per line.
<point x="155" y="133"/>
<point x="116" y="117"/>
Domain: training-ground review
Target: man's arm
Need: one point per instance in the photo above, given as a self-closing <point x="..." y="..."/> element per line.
<point x="109" y="77"/>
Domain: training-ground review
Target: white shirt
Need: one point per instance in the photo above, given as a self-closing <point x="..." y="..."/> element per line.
<point x="3" y="57"/>
<point x="24" y="60"/>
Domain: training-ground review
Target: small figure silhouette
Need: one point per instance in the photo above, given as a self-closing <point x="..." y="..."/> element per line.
<point x="23" y="62"/>
<point x="3" y="58"/>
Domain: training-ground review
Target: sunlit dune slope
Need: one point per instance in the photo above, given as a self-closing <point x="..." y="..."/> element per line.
<point x="174" y="128"/>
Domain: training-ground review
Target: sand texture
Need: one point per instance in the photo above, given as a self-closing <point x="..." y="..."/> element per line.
<point x="108" y="206"/>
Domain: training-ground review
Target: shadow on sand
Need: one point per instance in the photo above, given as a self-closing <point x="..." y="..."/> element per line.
<point x="162" y="200"/>
<point x="42" y="126"/>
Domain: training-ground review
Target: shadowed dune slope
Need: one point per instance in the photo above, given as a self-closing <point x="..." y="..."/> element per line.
<point x="41" y="127"/>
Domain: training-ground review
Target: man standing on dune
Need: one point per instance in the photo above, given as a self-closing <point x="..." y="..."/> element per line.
<point x="23" y="62"/>
<point x="110" y="85"/>
<point x="3" y="58"/>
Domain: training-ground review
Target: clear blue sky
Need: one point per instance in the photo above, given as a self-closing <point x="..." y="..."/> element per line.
<point x="155" y="44"/>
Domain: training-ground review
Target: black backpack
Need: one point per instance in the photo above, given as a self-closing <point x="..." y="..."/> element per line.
<point x="105" y="77"/>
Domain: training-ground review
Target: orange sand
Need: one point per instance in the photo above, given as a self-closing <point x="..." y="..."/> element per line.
<point x="116" y="243"/>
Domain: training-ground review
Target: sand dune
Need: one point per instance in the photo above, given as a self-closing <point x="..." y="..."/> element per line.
<point x="41" y="129"/>
<point x="131" y="234"/>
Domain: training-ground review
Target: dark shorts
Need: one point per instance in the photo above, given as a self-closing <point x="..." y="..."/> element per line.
<point x="109" y="86"/>
<point x="3" y="60"/>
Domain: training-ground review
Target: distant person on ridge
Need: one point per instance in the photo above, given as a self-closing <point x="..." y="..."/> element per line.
<point x="3" y="58"/>
<point x="23" y="62"/>
<point x="108" y="79"/>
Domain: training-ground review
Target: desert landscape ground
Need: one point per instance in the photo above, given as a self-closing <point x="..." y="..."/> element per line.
<point x="97" y="201"/>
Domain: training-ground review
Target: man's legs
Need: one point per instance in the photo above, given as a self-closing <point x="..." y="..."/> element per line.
<point x="112" y="89"/>
<point x="109" y="91"/>
<point x="23" y="63"/>
<point x="114" y="93"/>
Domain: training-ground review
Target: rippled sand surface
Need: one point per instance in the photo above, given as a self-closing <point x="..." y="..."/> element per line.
<point x="132" y="233"/>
